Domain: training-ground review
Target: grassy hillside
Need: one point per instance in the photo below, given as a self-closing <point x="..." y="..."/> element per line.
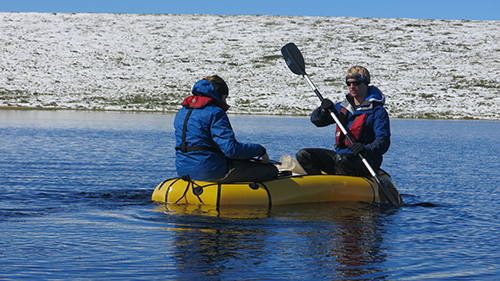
<point x="426" y="68"/>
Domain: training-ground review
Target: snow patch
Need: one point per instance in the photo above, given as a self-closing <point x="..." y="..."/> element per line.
<point x="426" y="68"/>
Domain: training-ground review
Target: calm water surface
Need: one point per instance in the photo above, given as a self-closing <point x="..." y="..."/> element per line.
<point x="75" y="204"/>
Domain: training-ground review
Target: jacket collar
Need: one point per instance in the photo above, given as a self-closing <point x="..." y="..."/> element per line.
<point x="374" y="96"/>
<point x="201" y="102"/>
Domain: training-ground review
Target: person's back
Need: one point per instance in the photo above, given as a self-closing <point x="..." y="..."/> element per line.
<point x="200" y="164"/>
<point x="206" y="147"/>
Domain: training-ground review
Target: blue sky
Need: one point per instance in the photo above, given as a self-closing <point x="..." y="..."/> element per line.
<point x="417" y="9"/>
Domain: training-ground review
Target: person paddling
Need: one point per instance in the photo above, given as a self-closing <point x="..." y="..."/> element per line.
<point x="206" y="146"/>
<point x="364" y="116"/>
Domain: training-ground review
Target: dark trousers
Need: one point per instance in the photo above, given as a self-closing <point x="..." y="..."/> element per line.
<point x="318" y="160"/>
<point x="248" y="171"/>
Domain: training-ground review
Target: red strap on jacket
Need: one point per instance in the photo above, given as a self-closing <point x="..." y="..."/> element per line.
<point x="354" y="130"/>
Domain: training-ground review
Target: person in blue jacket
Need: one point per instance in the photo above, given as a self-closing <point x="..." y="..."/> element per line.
<point x="364" y="116"/>
<point x="206" y="146"/>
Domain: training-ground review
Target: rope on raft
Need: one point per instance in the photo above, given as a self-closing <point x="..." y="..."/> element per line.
<point x="197" y="190"/>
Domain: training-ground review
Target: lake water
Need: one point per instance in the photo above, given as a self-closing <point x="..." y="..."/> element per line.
<point x="75" y="192"/>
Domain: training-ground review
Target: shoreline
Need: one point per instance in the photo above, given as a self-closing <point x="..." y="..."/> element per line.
<point x="25" y="108"/>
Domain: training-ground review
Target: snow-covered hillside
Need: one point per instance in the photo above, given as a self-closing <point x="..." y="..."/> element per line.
<point x="426" y="68"/>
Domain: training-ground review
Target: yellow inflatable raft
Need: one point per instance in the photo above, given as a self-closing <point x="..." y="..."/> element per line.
<point x="282" y="191"/>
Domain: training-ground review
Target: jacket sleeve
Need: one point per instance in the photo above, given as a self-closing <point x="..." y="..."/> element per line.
<point x="382" y="130"/>
<point x="223" y="135"/>
<point x="322" y="118"/>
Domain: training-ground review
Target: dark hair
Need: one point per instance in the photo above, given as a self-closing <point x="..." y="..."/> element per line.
<point x="219" y="85"/>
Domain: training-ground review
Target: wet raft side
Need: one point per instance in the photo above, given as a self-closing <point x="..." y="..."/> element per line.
<point x="291" y="190"/>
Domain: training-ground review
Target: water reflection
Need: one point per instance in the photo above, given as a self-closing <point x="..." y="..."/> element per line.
<point x="330" y="240"/>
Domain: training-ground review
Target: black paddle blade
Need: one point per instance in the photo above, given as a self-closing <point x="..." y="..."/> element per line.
<point x="294" y="59"/>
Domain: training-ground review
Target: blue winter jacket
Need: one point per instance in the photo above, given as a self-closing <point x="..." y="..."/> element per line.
<point x="209" y="126"/>
<point x="376" y="133"/>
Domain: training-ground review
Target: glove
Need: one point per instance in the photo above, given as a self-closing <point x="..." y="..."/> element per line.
<point x="326" y="104"/>
<point x="264" y="157"/>
<point x="358" y="149"/>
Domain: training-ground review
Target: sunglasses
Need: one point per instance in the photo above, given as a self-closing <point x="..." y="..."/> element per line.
<point x="355" y="83"/>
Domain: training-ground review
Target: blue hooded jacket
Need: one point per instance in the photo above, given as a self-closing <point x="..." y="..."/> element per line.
<point x="208" y="126"/>
<point x="376" y="133"/>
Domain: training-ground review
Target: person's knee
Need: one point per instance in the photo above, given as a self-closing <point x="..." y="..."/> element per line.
<point x="302" y="154"/>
